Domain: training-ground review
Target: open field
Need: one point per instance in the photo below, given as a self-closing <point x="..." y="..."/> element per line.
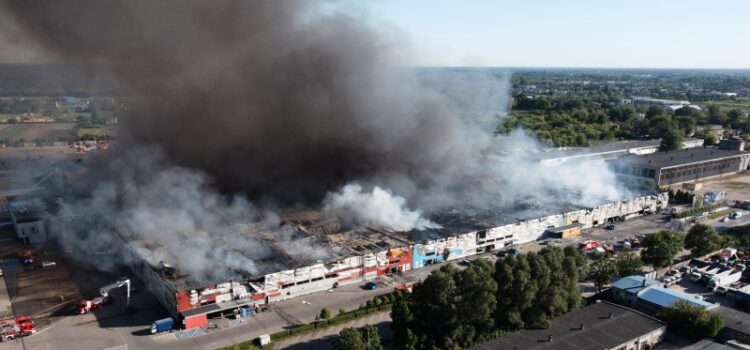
<point x="44" y="131"/>
<point x="742" y="104"/>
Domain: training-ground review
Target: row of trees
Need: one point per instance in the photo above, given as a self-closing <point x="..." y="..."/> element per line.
<point x="453" y="308"/>
<point x="566" y="121"/>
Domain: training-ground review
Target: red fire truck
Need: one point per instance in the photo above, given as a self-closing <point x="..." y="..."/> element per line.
<point x="22" y="326"/>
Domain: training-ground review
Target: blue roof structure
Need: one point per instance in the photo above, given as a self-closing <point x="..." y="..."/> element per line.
<point x="666" y="298"/>
<point x="633" y="284"/>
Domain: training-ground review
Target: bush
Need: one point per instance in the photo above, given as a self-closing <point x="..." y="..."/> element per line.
<point x="691" y="321"/>
<point x="325" y="314"/>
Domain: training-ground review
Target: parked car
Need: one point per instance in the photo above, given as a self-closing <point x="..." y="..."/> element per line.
<point x="47" y="264"/>
<point x="371" y="286"/>
<point x="610" y="227"/>
<point x="465" y="262"/>
<point x="513" y="252"/>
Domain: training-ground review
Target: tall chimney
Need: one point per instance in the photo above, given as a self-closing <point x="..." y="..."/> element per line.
<point x="549" y="338"/>
<point x="611" y="314"/>
<point x="583" y="326"/>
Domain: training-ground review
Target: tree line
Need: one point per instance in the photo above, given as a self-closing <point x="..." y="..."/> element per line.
<point x="453" y="309"/>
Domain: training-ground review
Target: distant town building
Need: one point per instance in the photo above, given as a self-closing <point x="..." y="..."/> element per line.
<point x="599" y="326"/>
<point x="642" y="100"/>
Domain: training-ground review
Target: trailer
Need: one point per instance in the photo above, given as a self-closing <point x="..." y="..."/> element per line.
<point x="724" y="278"/>
<point x="162" y="325"/>
<point x="21" y="326"/>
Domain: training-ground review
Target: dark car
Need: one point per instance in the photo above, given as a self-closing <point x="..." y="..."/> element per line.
<point x="610" y="227"/>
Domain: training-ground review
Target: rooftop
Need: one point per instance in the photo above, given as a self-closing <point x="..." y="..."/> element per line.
<point x="599" y="332"/>
<point x="734" y="319"/>
<point x="633" y="284"/>
<point x="666" y="298"/>
<point x="680" y="157"/>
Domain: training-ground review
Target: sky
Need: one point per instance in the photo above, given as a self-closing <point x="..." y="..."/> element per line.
<point x="539" y="33"/>
<point x="573" y="33"/>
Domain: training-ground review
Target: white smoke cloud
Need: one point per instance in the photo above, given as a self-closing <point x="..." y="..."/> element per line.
<point x="172" y="214"/>
<point x="379" y="208"/>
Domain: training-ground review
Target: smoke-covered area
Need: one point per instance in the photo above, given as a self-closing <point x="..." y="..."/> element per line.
<point x="280" y="102"/>
<point x="379" y="208"/>
<point x="172" y="214"/>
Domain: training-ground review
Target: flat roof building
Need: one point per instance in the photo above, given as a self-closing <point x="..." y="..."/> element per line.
<point x="599" y="326"/>
<point x="666" y="168"/>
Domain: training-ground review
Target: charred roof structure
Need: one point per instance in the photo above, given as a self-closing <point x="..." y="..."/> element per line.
<point x="353" y="254"/>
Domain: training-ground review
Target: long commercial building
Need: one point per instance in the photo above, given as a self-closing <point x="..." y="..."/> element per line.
<point x="193" y="303"/>
<point x="667" y="168"/>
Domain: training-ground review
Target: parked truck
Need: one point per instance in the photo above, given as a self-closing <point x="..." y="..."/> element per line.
<point x="724" y="278"/>
<point x="162" y="325"/>
<point x="21" y="326"/>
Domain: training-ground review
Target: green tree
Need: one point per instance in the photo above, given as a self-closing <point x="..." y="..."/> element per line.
<point x="691" y="321"/>
<point x="671" y="140"/>
<point x="402" y="321"/>
<point x="654" y="111"/>
<point x="433" y="307"/>
<point x="371" y="337"/>
<point x="476" y="291"/>
<point x="603" y="270"/>
<point x="325" y="314"/>
<point x="702" y="239"/>
<point x="349" y="339"/>
<point x="660" y="249"/>
<point x="628" y="263"/>
<point x="709" y="139"/>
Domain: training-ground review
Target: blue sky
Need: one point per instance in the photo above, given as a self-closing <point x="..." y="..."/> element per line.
<point x="572" y="33"/>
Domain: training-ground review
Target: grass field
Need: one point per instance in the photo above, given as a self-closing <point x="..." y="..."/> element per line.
<point x="94" y="131"/>
<point x="741" y="104"/>
<point x="13" y="132"/>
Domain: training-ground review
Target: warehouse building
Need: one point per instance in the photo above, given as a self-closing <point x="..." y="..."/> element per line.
<point x="607" y="151"/>
<point x="362" y="254"/>
<point x="667" y="168"/>
<point x="601" y="325"/>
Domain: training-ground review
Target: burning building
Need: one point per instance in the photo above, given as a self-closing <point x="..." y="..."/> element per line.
<point x="362" y="254"/>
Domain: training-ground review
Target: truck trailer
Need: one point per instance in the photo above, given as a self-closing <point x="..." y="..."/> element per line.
<point x="162" y="325"/>
<point x="724" y="278"/>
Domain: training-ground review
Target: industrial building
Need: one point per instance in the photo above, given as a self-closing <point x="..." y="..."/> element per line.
<point x="27" y="217"/>
<point x="363" y="254"/>
<point x="667" y="168"/>
<point x="598" y="326"/>
<point x="649" y="296"/>
<point x="607" y="151"/>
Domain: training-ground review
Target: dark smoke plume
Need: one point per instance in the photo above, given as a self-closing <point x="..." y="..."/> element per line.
<point x="270" y="98"/>
<point x="288" y="103"/>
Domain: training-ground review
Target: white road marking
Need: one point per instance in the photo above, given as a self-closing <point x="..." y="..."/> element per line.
<point x="165" y="338"/>
<point x="118" y="347"/>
